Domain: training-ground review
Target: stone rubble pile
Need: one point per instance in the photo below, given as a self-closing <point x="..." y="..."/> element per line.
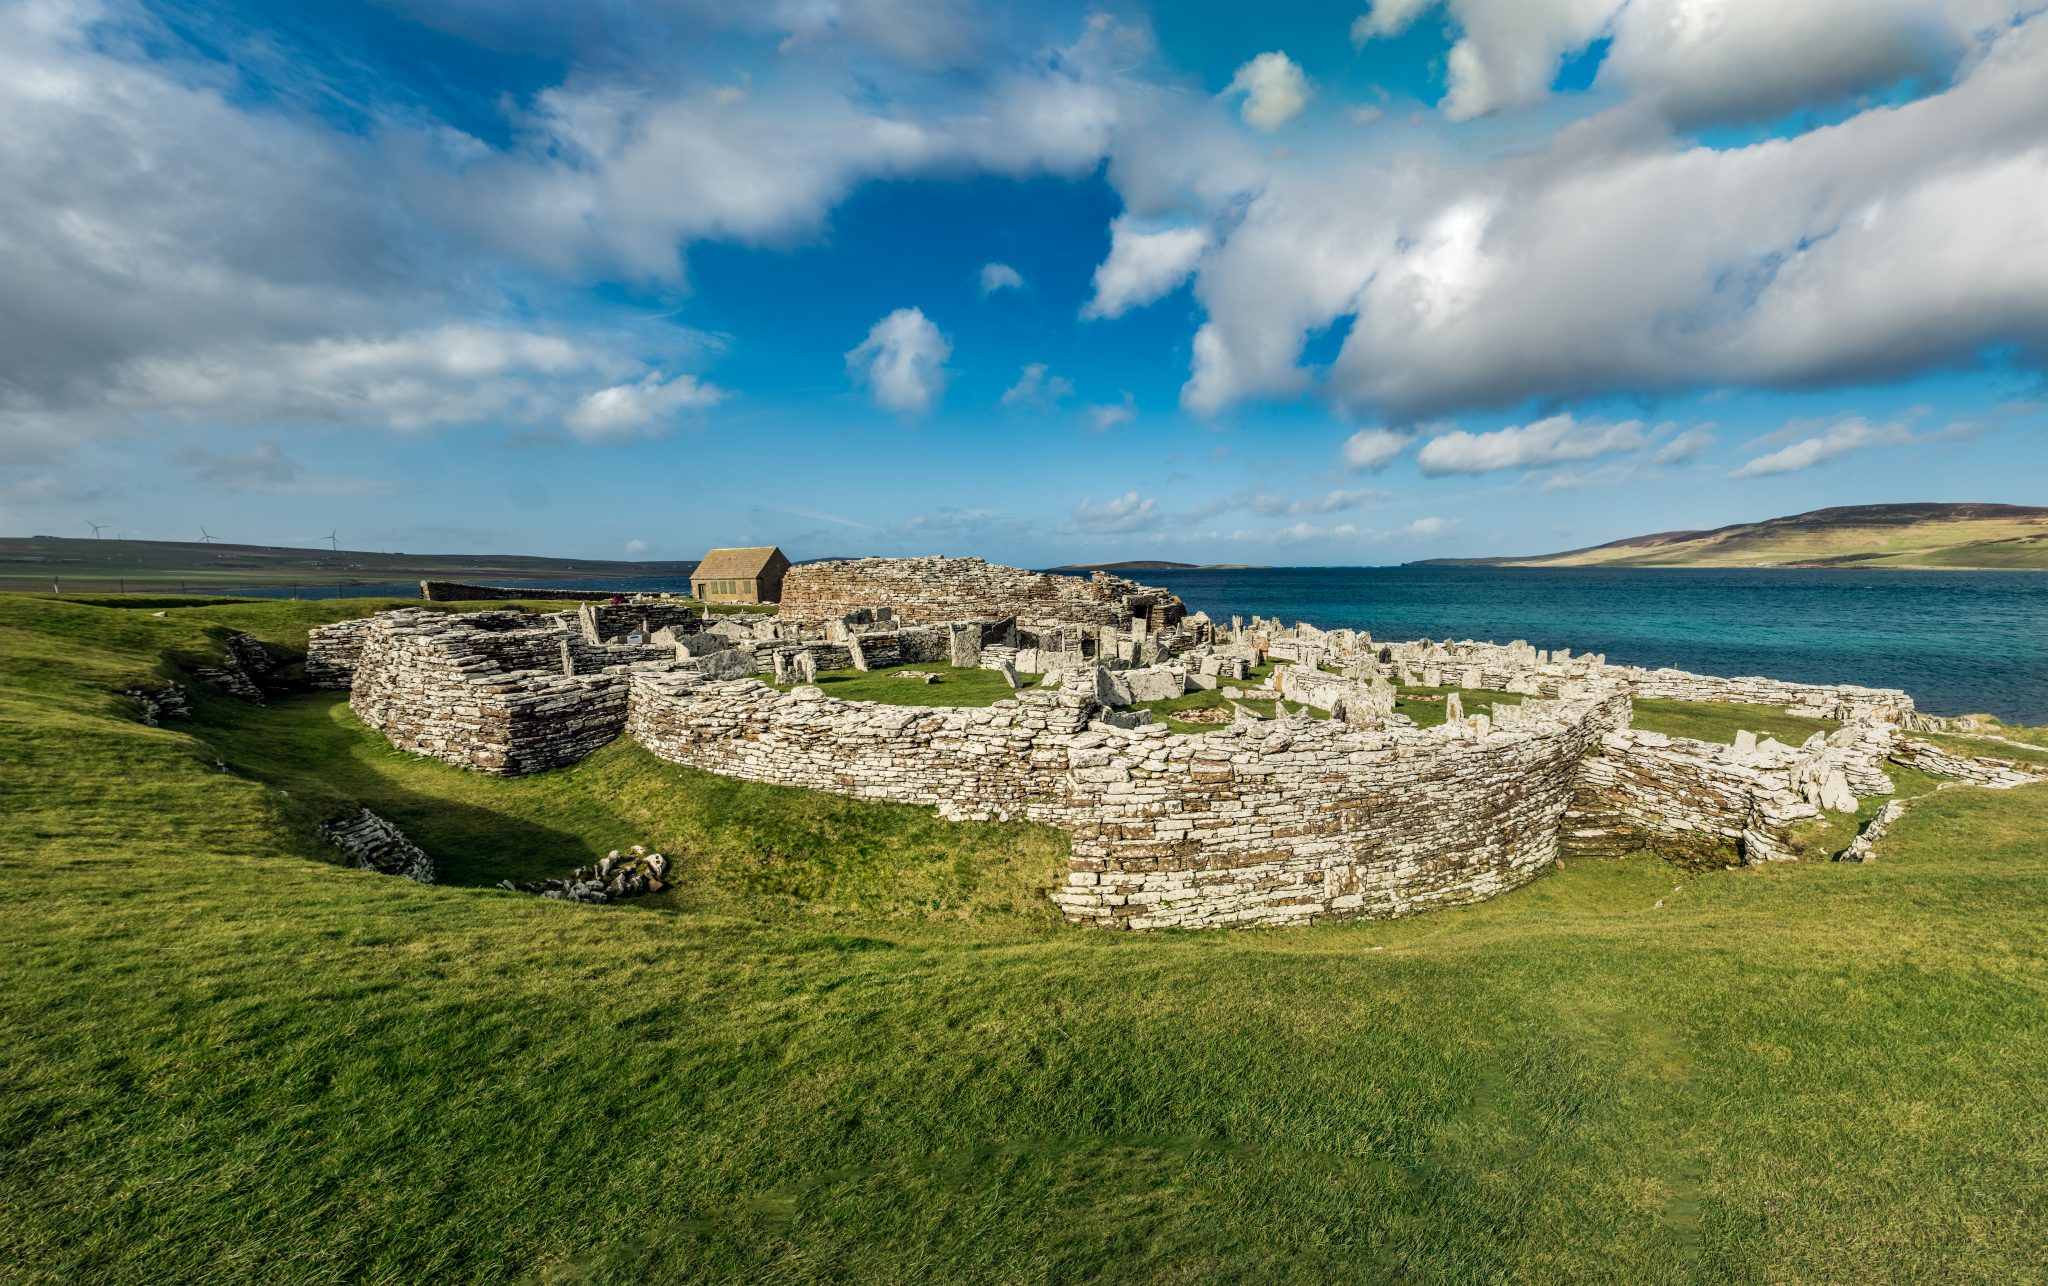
<point x="634" y="873"/>
<point x="373" y="844"/>
<point x="1864" y="847"/>
<point x="159" y="704"/>
<point x="242" y="671"/>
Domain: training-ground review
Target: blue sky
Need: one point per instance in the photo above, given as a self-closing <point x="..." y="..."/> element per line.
<point x="1301" y="283"/>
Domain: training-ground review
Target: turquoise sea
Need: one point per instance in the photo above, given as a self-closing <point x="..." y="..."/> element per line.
<point x="1960" y="642"/>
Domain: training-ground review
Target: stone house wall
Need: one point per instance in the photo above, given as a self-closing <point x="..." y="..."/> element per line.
<point x="435" y="685"/>
<point x="332" y="650"/>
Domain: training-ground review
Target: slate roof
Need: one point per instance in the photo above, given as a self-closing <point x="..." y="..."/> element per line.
<point x="735" y="564"/>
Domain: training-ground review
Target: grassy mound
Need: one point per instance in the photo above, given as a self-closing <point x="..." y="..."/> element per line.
<point x="228" y="1059"/>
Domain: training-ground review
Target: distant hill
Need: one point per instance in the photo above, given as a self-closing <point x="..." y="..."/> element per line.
<point x="1150" y="565"/>
<point x="1954" y="536"/>
<point x="32" y="562"/>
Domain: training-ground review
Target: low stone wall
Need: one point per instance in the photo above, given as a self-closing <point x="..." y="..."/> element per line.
<point x="1977" y="770"/>
<point x="970" y="764"/>
<point x="373" y="844"/>
<point x="1842" y="701"/>
<point x="930" y="591"/>
<point x="462" y="689"/>
<point x="1704" y="804"/>
<point x="1301" y="820"/>
<point x="1697" y="803"/>
<point x="242" y="671"/>
<point x="1283" y="823"/>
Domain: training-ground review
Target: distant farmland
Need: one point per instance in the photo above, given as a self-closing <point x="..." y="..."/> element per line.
<point x="168" y="566"/>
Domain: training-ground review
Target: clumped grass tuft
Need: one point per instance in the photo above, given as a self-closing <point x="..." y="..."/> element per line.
<point x="855" y="1048"/>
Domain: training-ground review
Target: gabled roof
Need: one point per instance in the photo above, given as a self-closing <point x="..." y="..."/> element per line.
<point x="735" y="564"/>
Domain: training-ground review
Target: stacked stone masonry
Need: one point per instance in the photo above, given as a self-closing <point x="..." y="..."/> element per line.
<point x="927" y="591"/>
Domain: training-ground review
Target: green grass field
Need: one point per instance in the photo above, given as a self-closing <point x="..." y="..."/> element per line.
<point x="974" y="688"/>
<point x="857" y="1047"/>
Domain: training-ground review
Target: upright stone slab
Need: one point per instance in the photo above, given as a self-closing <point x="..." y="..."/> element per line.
<point x="857" y="652"/>
<point x="966" y="646"/>
<point x="806" y="667"/>
<point x="1454" y="708"/>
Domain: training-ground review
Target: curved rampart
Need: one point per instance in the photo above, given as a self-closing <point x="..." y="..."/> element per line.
<point x="1269" y="823"/>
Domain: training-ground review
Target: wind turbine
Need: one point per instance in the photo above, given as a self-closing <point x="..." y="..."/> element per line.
<point x="333" y="540"/>
<point x="205" y="536"/>
<point x="97" y="528"/>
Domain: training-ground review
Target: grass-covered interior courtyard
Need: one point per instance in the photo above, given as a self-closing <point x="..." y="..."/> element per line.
<point x="853" y="1044"/>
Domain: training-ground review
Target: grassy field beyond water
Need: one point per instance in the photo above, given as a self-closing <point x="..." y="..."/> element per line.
<point x="854" y="1045"/>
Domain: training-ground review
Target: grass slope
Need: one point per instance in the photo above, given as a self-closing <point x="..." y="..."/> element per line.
<point x="229" y="1060"/>
<point x="1924" y="535"/>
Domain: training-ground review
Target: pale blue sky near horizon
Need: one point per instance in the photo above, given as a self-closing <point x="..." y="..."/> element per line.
<point x="1305" y="284"/>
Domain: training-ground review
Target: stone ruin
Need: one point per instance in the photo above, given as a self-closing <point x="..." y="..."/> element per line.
<point x="1260" y="821"/>
<point x="927" y="591"/>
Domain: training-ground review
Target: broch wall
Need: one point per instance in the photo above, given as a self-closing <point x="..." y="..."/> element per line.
<point x="927" y="591"/>
<point x="1302" y="821"/>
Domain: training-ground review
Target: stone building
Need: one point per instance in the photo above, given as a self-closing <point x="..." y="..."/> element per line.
<point x="750" y="575"/>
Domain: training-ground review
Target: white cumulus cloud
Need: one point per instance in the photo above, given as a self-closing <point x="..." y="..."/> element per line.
<point x="1370" y="450"/>
<point x="902" y="362"/>
<point x="1104" y="416"/>
<point x="999" y="276"/>
<point x="1839" y="439"/>
<point x="1037" y="388"/>
<point x="1274" y="89"/>
<point x="1143" y="265"/>
<point x="1555" y="439"/>
<point x="1125" y="513"/>
<point x="642" y="407"/>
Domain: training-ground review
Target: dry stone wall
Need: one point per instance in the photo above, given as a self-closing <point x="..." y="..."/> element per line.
<point x="373" y="844"/>
<point x="1000" y="762"/>
<point x="1301" y="820"/>
<point x="1710" y="805"/>
<point x="929" y="591"/>
<point x="1976" y="770"/>
<point x="332" y="651"/>
<point x="462" y="689"/>
<point x="1293" y="821"/>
